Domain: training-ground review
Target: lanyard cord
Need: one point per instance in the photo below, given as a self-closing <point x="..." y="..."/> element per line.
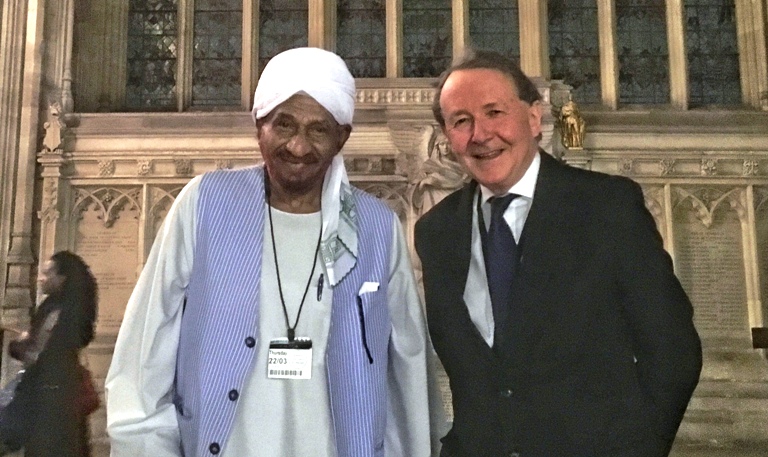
<point x="291" y="330"/>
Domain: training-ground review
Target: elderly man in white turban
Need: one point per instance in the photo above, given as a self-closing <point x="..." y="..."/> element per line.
<point x="277" y="314"/>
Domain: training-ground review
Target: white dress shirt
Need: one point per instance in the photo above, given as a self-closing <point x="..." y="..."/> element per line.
<point x="476" y="294"/>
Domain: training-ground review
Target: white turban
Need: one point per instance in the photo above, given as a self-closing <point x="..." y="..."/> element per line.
<point x="320" y="74"/>
<point x="323" y="76"/>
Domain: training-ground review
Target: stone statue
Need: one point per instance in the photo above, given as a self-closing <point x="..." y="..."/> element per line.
<point x="432" y="170"/>
<point x="54" y="127"/>
<point x="571" y="125"/>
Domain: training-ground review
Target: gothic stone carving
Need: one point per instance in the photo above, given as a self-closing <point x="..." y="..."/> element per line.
<point x="223" y="164"/>
<point x="54" y="127"/>
<point x="667" y="167"/>
<point x="183" y="167"/>
<point x="49" y="213"/>
<point x="431" y="169"/>
<point x="626" y="166"/>
<point x="708" y="167"/>
<point x="370" y="165"/>
<point x="145" y="167"/>
<point x="750" y="167"/>
<point x="395" y="96"/>
<point x="106" y="168"/>
<point x="705" y="201"/>
<point x="160" y="202"/>
<point x="107" y="201"/>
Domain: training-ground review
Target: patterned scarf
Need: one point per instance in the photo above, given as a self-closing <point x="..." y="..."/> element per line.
<point x="338" y="245"/>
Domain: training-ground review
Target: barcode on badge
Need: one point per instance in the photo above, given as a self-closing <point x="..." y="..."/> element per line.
<point x="285" y="372"/>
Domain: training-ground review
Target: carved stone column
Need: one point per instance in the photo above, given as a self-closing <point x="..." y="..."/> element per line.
<point x="11" y="67"/>
<point x="13" y="20"/>
<point x="250" y="62"/>
<point x="98" y="69"/>
<point x="394" y="12"/>
<point x="460" y="18"/>
<point x="21" y="76"/>
<point x="753" y="64"/>
<point x="678" y="62"/>
<point x="57" y="48"/>
<point x="609" y="63"/>
<point x="68" y="30"/>
<point x="746" y="209"/>
<point x="534" y="60"/>
<point x="322" y="24"/>
<point x="52" y="225"/>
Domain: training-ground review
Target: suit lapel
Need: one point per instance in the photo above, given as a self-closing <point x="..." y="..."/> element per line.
<point x="544" y="200"/>
<point x="537" y="240"/>
<point x="460" y="225"/>
<point x="463" y="245"/>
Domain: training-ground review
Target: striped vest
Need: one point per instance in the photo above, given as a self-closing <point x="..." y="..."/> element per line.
<point x="217" y="347"/>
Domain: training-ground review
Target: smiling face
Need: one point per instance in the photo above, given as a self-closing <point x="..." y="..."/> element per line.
<point x="298" y="141"/>
<point x="491" y="130"/>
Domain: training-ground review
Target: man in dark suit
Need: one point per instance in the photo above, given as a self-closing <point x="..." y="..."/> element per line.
<point x="573" y="339"/>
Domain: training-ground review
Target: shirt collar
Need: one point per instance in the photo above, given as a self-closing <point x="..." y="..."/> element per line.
<point x="525" y="186"/>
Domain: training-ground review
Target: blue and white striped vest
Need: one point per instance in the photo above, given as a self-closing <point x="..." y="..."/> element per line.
<point x="220" y="324"/>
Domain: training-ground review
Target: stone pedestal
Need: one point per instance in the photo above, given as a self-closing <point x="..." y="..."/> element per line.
<point x="729" y="410"/>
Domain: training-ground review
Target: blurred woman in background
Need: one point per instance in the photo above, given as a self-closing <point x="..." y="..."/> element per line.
<point x="46" y="416"/>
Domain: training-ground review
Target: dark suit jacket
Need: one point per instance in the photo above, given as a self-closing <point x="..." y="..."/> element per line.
<point x="603" y="355"/>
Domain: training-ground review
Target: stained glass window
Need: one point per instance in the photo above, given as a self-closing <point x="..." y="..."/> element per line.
<point x="712" y="50"/>
<point x="361" y="37"/>
<point x="495" y="25"/>
<point x="283" y="25"/>
<point x="217" y="52"/>
<point x="642" y="50"/>
<point x="152" y="41"/>
<point x="574" y="47"/>
<point x="426" y="37"/>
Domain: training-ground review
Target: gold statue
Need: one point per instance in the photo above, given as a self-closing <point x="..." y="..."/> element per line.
<point x="571" y="125"/>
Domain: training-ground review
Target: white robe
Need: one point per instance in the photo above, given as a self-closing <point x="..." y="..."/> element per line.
<point x="139" y="425"/>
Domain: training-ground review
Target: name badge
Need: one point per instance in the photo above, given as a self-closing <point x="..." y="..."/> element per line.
<point x="290" y="359"/>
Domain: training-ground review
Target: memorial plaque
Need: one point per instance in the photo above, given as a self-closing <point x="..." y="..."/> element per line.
<point x="761" y="224"/>
<point x="710" y="266"/>
<point x="445" y="391"/>
<point x="112" y="253"/>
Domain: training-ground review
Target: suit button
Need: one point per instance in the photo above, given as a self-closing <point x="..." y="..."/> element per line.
<point x="506" y="393"/>
<point x="233" y="395"/>
<point x="214" y="448"/>
<point x="250" y="342"/>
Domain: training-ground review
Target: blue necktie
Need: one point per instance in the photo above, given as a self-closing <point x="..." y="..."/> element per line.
<point x="501" y="259"/>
